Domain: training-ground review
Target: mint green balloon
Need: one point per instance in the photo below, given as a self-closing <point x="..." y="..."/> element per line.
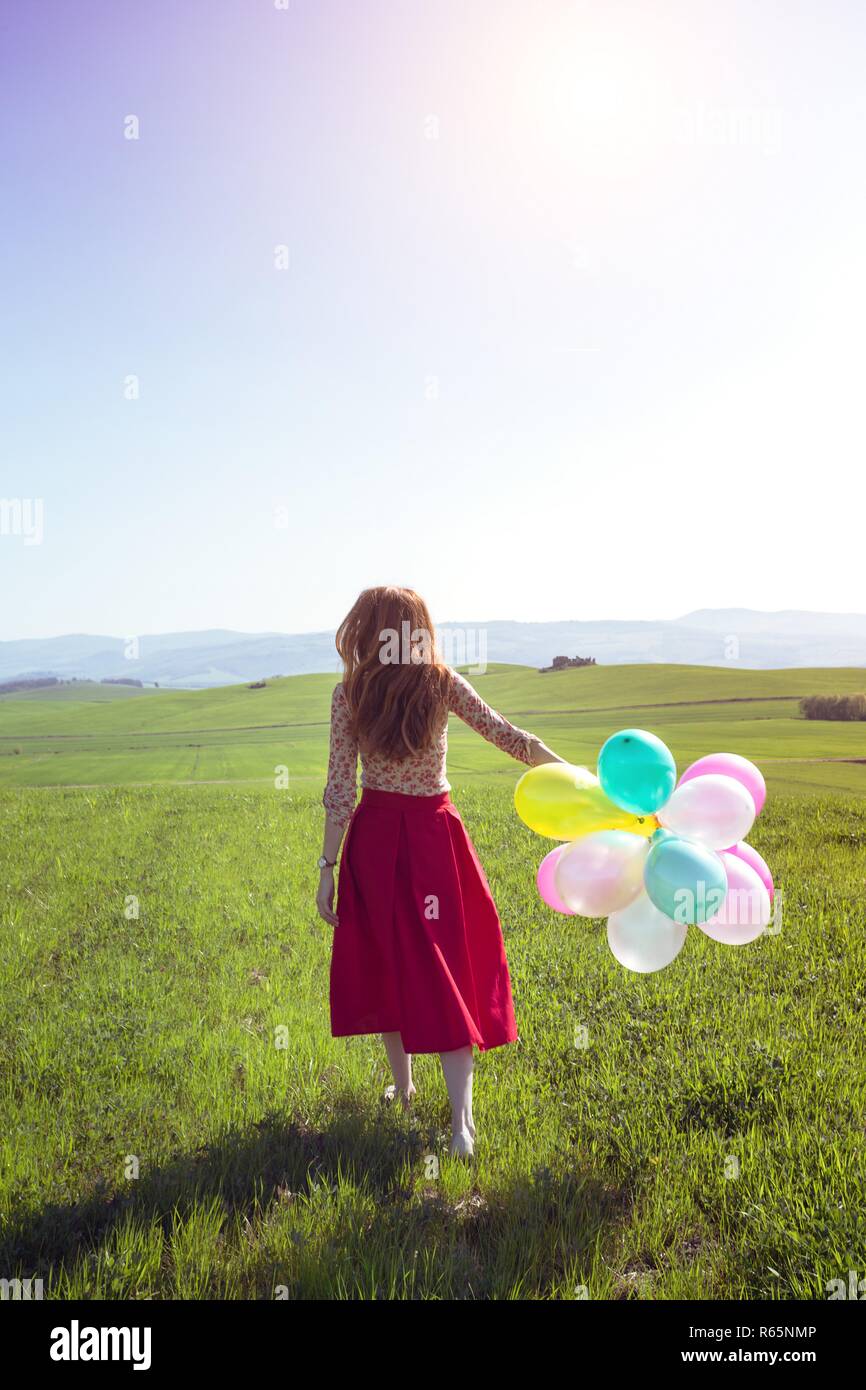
<point x="662" y="834"/>
<point x="637" y="771"/>
<point x="686" y="881"/>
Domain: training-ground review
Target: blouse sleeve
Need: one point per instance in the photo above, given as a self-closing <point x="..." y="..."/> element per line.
<point x="468" y="705"/>
<point x="342" y="788"/>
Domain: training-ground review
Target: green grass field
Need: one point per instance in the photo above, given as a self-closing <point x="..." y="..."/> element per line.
<point x="234" y="734"/>
<point x="177" y="1121"/>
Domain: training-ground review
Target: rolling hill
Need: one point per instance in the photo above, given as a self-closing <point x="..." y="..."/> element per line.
<point x="92" y="735"/>
<point x="737" y="638"/>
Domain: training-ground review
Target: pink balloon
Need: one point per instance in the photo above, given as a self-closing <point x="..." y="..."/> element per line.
<point x="731" y="765"/>
<point x="750" y="856"/>
<point x="546" y="880"/>
<point x="746" y="911"/>
<point x="603" y="872"/>
<point x="715" y="809"/>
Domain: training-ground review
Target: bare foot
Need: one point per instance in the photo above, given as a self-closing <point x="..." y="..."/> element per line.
<point x="462" y="1144"/>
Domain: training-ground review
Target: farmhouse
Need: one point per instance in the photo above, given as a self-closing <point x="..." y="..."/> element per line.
<point x="562" y="663"/>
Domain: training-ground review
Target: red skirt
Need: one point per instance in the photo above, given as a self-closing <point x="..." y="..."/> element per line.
<point x="418" y="948"/>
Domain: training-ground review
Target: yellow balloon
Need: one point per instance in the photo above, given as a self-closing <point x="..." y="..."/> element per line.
<point x="563" y="802"/>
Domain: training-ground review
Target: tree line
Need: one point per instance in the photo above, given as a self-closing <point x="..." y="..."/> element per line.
<point x="833" y="707"/>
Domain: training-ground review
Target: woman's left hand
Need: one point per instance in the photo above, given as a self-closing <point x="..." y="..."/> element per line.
<point x="325" y="897"/>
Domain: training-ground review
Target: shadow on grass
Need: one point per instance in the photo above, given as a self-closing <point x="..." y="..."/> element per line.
<point x="520" y="1237"/>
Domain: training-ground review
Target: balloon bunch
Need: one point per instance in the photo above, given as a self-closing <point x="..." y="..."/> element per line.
<point x="653" y="855"/>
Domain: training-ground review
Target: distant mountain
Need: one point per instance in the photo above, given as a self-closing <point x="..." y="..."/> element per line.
<point x="789" y="620"/>
<point x="710" y="637"/>
<point x="188" y="660"/>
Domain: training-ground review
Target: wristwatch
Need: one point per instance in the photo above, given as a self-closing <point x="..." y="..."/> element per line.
<point x="323" y="863"/>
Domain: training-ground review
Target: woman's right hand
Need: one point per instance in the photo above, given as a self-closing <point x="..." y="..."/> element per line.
<point x="325" y="897"/>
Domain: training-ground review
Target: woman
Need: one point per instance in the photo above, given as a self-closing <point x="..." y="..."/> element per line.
<point x="418" y="954"/>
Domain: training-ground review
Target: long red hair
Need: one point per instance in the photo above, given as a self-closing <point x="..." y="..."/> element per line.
<point x="396" y="685"/>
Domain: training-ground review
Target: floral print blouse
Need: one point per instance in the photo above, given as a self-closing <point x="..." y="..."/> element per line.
<point x="420" y="774"/>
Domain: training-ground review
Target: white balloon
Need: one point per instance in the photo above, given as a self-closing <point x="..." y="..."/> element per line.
<point x="715" y="810"/>
<point x="601" y="872"/>
<point x="644" y="939"/>
<point x="746" y="910"/>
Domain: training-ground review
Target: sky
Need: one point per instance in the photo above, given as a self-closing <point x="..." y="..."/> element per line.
<point x="547" y="310"/>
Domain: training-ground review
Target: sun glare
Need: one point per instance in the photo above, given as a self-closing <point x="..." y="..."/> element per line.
<point x="588" y="88"/>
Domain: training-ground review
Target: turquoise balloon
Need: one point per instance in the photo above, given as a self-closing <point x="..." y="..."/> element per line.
<point x="637" y="771"/>
<point x="685" y="881"/>
<point x="662" y="834"/>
